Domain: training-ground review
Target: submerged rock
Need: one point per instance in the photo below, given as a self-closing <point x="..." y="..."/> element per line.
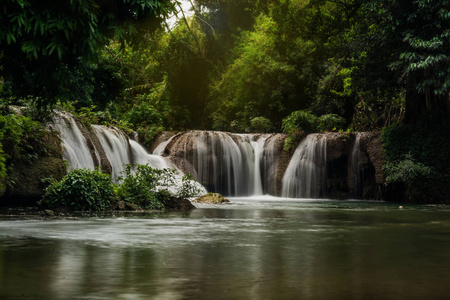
<point x="212" y="198"/>
<point x="177" y="204"/>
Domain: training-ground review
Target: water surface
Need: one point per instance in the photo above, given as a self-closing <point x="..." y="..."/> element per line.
<point x="253" y="248"/>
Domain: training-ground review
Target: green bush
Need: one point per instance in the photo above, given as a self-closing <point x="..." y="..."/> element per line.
<point x="81" y="190"/>
<point x="20" y="140"/>
<point x="261" y="124"/>
<point x="189" y="187"/>
<point x="146" y="187"/>
<point x="406" y="171"/>
<point x="300" y="120"/>
<point x="296" y="126"/>
<point x="140" y="185"/>
<point x="330" y="122"/>
<point x="416" y="158"/>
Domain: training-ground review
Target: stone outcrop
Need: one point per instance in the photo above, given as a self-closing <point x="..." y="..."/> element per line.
<point x="95" y="146"/>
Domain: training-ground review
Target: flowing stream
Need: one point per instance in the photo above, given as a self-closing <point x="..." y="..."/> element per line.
<point x="254" y="248"/>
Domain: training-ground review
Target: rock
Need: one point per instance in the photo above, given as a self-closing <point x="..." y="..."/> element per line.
<point x="212" y="198"/>
<point x="338" y="145"/>
<point x="178" y="204"/>
<point x="376" y="155"/>
<point x="27" y="186"/>
<point x="48" y="213"/>
<point x="160" y="138"/>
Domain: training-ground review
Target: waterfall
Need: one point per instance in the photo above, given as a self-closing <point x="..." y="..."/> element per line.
<point x="356" y="173"/>
<point x="160" y="148"/>
<point x="76" y="151"/>
<point x="306" y="172"/>
<point x="119" y="149"/>
<point x="116" y="146"/>
<point x="258" y="147"/>
<point x="226" y="163"/>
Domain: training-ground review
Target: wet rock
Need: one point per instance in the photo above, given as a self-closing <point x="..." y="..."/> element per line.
<point x="177" y="204"/>
<point x="338" y="145"/>
<point x="160" y="138"/>
<point x="372" y="143"/>
<point x="212" y="198"/>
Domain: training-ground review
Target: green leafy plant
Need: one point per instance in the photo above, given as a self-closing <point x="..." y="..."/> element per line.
<point x="415" y="160"/>
<point x="81" y="190"/>
<point x="330" y="122"/>
<point x="140" y="185"/>
<point x="300" y="120"/>
<point x="189" y="187"/>
<point x="261" y="124"/>
<point x="297" y="125"/>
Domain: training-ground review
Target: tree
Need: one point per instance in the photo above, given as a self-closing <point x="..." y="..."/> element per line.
<point x="42" y="42"/>
<point x="415" y="37"/>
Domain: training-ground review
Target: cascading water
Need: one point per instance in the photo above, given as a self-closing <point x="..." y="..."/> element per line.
<point x="119" y="149"/>
<point x="76" y="151"/>
<point x="258" y="147"/>
<point x="225" y="163"/>
<point x="116" y="146"/>
<point x="230" y="164"/>
<point x="356" y="170"/>
<point x="306" y="173"/>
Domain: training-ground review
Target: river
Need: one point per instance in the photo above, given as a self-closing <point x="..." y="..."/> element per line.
<point x="252" y="248"/>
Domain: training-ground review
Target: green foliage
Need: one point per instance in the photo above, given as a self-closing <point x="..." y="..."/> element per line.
<point x="20" y="136"/>
<point x="81" y="190"/>
<point x="415" y="157"/>
<point x="296" y="126"/>
<point x="41" y="42"/>
<point x="146" y="187"/>
<point x="20" y="140"/>
<point x="330" y="122"/>
<point x="261" y="124"/>
<point x="140" y="185"/>
<point x="260" y="82"/>
<point x="148" y="116"/>
<point x="300" y="120"/>
<point x="407" y="171"/>
<point x="189" y="187"/>
<point x="417" y="32"/>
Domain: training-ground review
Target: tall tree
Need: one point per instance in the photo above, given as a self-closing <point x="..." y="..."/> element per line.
<point x="42" y="41"/>
<point x="415" y="36"/>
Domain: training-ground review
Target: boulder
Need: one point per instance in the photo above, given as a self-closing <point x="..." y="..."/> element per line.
<point x="27" y="180"/>
<point x="212" y="198"/>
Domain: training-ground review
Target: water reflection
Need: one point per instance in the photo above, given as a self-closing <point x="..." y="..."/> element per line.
<point x="246" y="250"/>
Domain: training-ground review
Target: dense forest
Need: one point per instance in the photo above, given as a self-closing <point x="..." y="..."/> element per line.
<point x="293" y="66"/>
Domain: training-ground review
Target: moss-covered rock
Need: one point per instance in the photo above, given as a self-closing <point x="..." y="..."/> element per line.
<point x="212" y="198"/>
<point x="26" y="180"/>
